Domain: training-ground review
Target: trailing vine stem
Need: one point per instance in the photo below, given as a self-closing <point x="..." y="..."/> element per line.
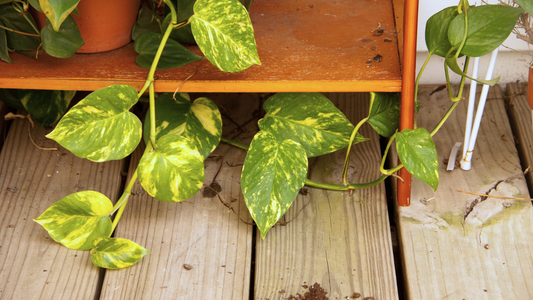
<point x="347" y="160"/>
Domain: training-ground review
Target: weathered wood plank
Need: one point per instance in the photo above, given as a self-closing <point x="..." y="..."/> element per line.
<point x="200" y="232"/>
<point x="340" y="241"/>
<point x="33" y="266"/>
<point x="520" y="118"/>
<point x="460" y="246"/>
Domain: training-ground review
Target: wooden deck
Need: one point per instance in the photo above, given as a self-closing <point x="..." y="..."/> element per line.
<point x="449" y="248"/>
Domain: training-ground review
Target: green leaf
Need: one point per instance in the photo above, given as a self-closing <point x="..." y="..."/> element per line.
<point x="64" y="43"/>
<point x="272" y="175"/>
<point x="36" y="5"/>
<point x="223" y="31"/>
<point x="174" y="55"/>
<point x="384" y="115"/>
<point x="527" y="5"/>
<point x="146" y="22"/>
<point x="4" y="52"/>
<point x="454" y="66"/>
<point x="309" y="119"/>
<point x="10" y="98"/>
<point x="182" y="34"/>
<point x="488" y="27"/>
<point x="418" y="154"/>
<point x="116" y="253"/>
<point x="45" y="106"/>
<point x="437" y="31"/>
<point x="100" y="127"/>
<point x="174" y="171"/>
<point x="57" y="11"/>
<point x="11" y="18"/>
<point x="76" y="220"/>
<point x="200" y="122"/>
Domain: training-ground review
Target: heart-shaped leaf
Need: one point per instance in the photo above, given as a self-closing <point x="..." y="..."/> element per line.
<point x="451" y="62"/>
<point x="182" y="34"/>
<point x="146" y="22"/>
<point x="57" y="11"/>
<point x="384" y="115"/>
<point x="200" y="122"/>
<point x="488" y="27"/>
<point x="437" y="31"/>
<point x="12" y="19"/>
<point x="309" y="119"/>
<point x="76" y="220"/>
<point x="223" y="31"/>
<point x="174" y="171"/>
<point x="45" y="106"/>
<point x="174" y="55"/>
<point x="418" y="154"/>
<point x="116" y="253"/>
<point x="10" y="98"/>
<point x="527" y="5"/>
<point x="63" y="43"/>
<point x="272" y="175"/>
<point x="100" y="127"/>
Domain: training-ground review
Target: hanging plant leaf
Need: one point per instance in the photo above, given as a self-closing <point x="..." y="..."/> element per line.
<point x="454" y="66"/>
<point x="200" y="122"/>
<point x="100" y="127"/>
<point x="418" y="154"/>
<point x="4" y="52"/>
<point x="488" y="27"/>
<point x="116" y="253"/>
<point x="174" y="171"/>
<point x="11" y="18"/>
<point x="45" y="106"/>
<point x="36" y="5"/>
<point x="63" y="43"/>
<point x="527" y="5"/>
<point x="146" y="22"/>
<point x="76" y="220"/>
<point x="182" y="34"/>
<point x="224" y="33"/>
<point x="437" y="31"/>
<point x="309" y="119"/>
<point x="10" y="98"/>
<point x="57" y="11"/>
<point x="174" y="55"/>
<point x="272" y="175"/>
<point x="384" y="115"/>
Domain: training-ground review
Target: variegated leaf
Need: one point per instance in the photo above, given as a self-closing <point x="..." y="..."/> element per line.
<point x="100" y="127"/>
<point x="57" y="11"/>
<point x="384" y="114"/>
<point x="76" y="220"/>
<point x="45" y="106"/>
<point x="272" y="175"/>
<point x="200" y="121"/>
<point x="174" y="171"/>
<point x="418" y="154"/>
<point x="309" y="119"/>
<point x="223" y="31"/>
<point x="116" y="253"/>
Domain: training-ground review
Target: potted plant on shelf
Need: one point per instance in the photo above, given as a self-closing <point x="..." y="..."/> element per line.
<point x="180" y="134"/>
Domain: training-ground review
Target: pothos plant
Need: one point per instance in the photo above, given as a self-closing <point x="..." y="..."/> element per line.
<point x="180" y="134"/>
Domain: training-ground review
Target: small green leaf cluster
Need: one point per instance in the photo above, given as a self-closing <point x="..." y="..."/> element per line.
<point x="18" y="30"/>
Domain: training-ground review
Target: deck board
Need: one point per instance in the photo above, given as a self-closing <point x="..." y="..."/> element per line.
<point x="200" y="232"/>
<point x="488" y="254"/>
<point x="520" y="117"/>
<point x="339" y="241"/>
<point x="32" y="265"/>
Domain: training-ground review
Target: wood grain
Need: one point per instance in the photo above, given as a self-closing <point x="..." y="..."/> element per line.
<point x="32" y="265"/>
<point x="338" y="240"/>
<point x="460" y="246"/>
<point x="306" y="45"/>
<point x="520" y="118"/>
<point x="200" y="232"/>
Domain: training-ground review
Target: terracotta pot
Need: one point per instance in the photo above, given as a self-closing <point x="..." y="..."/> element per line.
<point x="104" y="24"/>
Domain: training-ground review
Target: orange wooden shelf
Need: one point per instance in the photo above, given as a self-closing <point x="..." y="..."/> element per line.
<point x="304" y="46"/>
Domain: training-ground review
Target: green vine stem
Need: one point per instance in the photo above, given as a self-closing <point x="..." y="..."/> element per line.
<point x="347" y="159"/>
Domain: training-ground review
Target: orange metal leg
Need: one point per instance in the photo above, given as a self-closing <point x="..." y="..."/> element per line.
<point x="408" y="89"/>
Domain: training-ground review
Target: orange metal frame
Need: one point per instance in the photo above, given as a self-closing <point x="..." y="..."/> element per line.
<point x="408" y="89"/>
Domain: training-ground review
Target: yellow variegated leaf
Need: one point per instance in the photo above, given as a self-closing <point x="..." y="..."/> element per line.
<point x="76" y="220"/>
<point x="116" y="253"/>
